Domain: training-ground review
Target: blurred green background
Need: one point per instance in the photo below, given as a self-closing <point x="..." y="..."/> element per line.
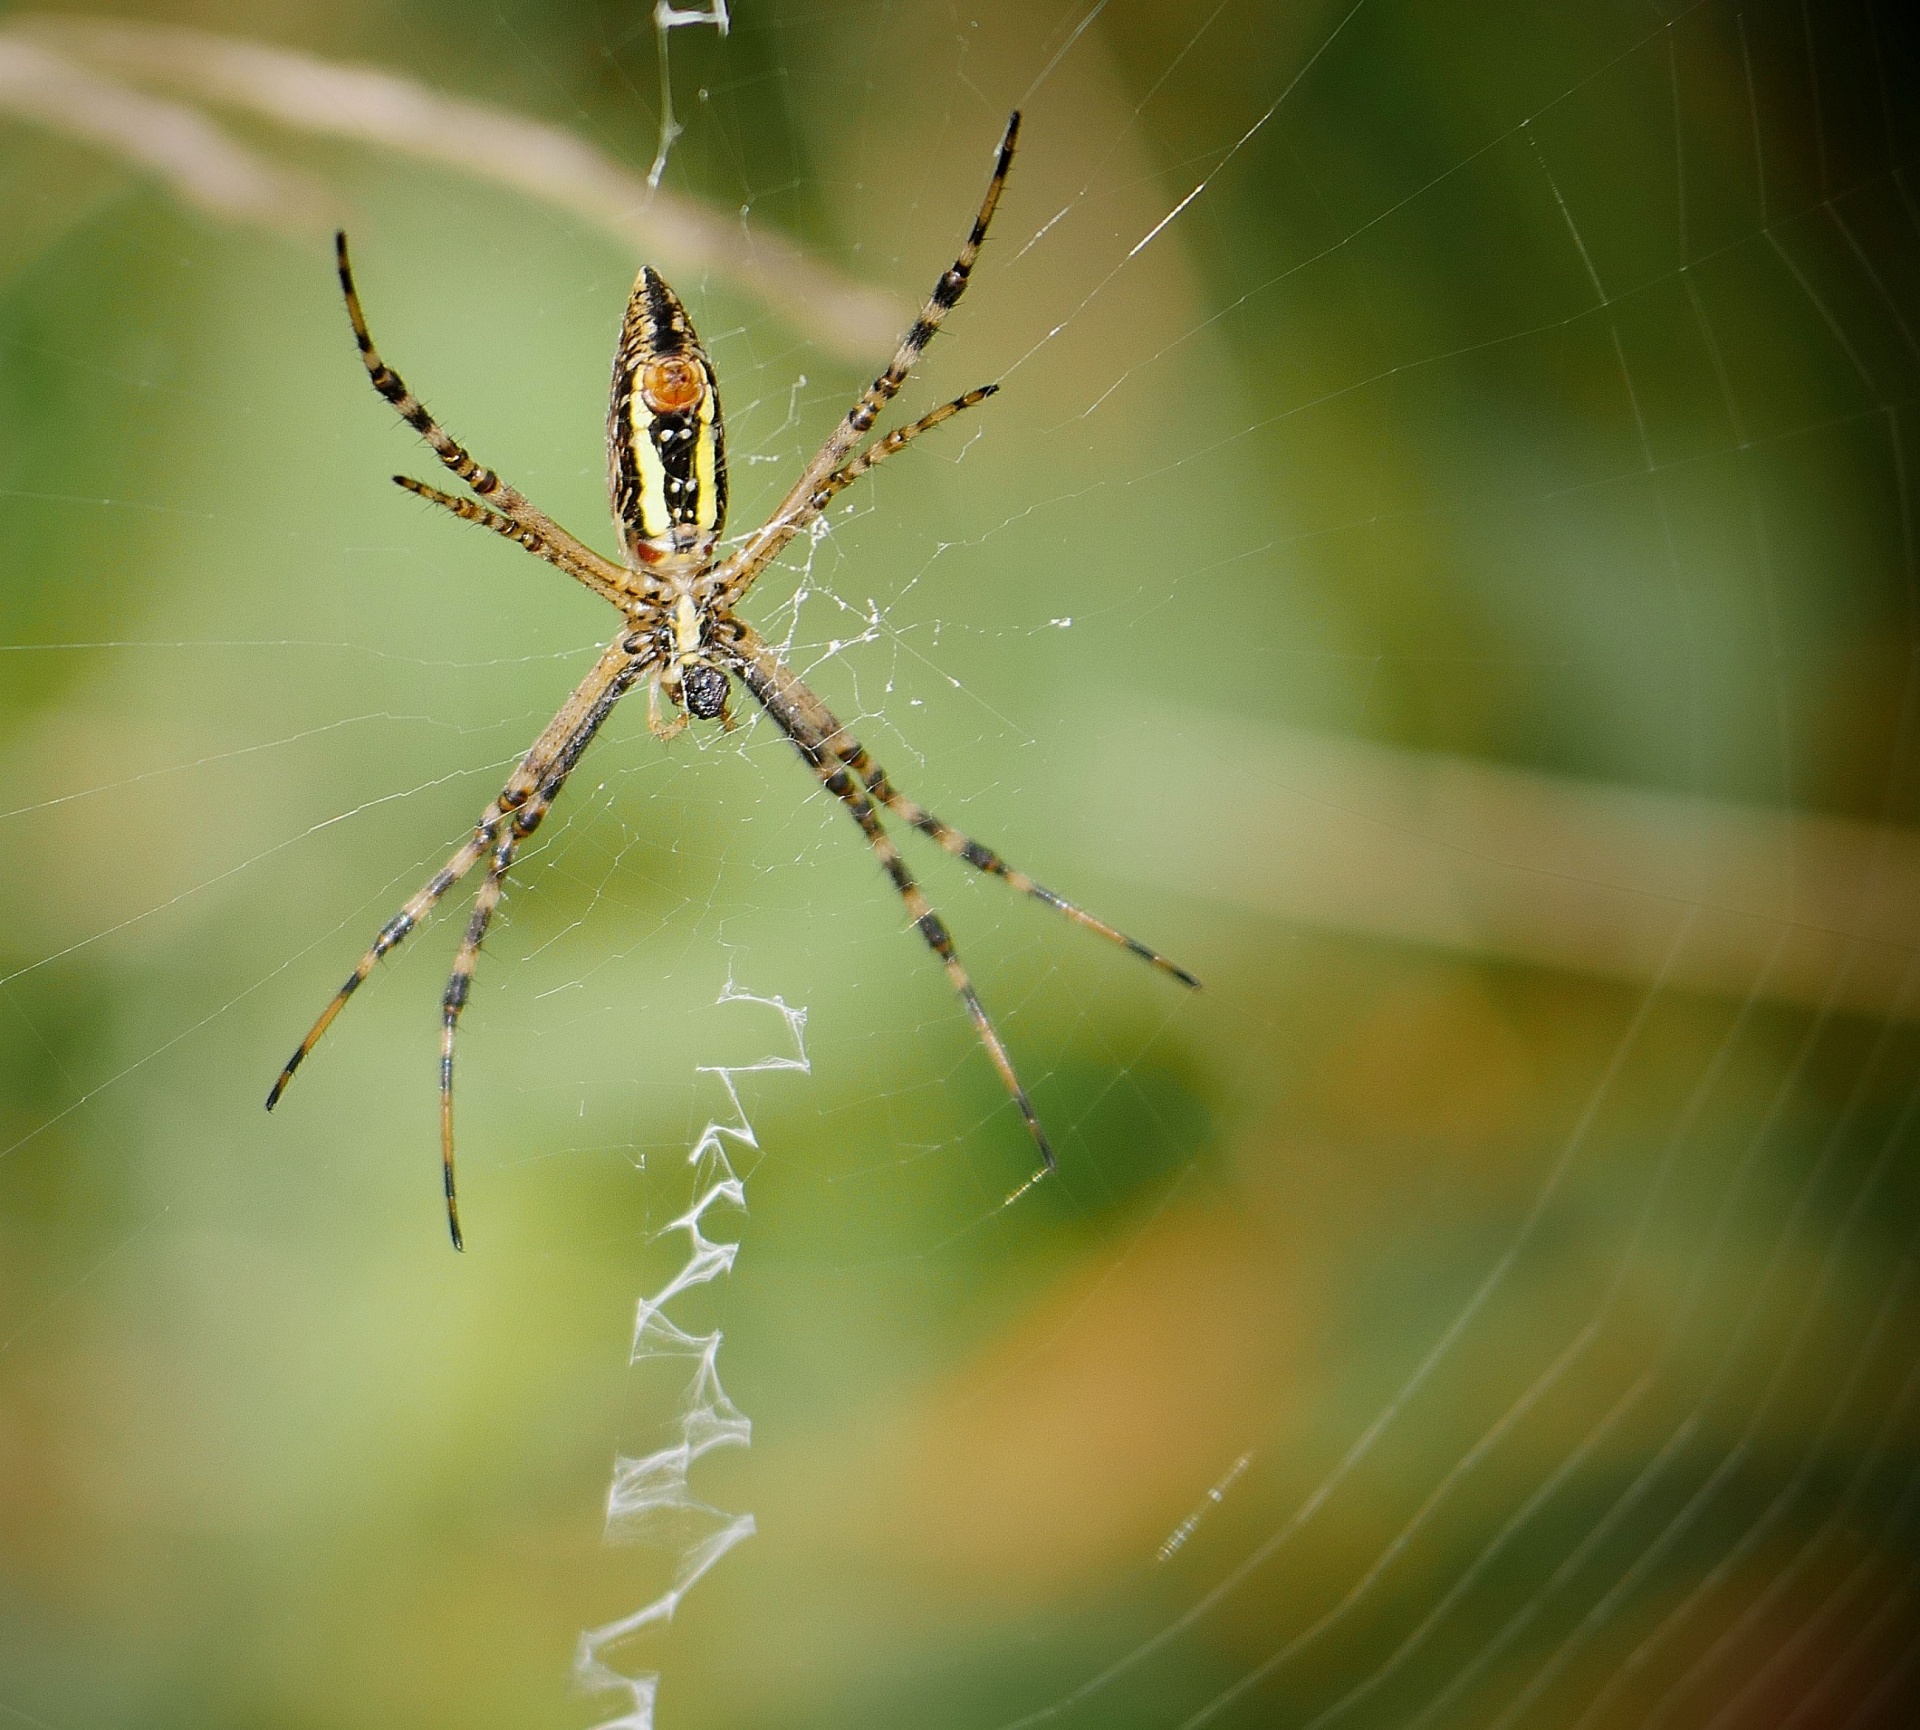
<point x="1453" y="585"/>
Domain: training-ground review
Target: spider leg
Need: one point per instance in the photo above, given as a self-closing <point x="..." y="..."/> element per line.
<point x="506" y="822"/>
<point x="521" y="533"/>
<point x="897" y="440"/>
<point x="841" y="744"/>
<point x="983" y="858"/>
<point x="459" y="983"/>
<point x="946" y="294"/>
<point x="558" y="547"/>
<point x="389" y="937"/>
<point x="793" y="719"/>
<point x="928" y="923"/>
<point x="515" y="827"/>
<point x="798" y="508"/>
<point x="737" y="575"/>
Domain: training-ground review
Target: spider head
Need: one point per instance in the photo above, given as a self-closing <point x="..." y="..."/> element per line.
<point x="703" y="688"/>
<point x="668" y="468"/>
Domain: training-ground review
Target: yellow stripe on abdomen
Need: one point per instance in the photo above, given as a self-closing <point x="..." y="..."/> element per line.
<point x="656" y="521"/>
<point x="707" y="493"/>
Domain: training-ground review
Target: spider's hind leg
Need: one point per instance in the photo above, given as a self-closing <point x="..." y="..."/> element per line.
<point x="946" y="294"/>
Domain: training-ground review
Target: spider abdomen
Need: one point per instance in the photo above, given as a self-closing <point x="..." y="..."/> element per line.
<point x="666" y="446"/>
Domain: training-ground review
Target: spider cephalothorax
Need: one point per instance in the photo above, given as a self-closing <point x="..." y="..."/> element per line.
<point x="667" y="476"/>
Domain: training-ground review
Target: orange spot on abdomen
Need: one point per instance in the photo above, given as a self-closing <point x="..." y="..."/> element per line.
<point x="671" y="384"/>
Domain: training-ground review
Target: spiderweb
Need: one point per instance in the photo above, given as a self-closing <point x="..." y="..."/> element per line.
<point x="1442" y="564"/>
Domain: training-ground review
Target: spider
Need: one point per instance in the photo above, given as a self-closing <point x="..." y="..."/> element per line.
<point x="667" y="477"/>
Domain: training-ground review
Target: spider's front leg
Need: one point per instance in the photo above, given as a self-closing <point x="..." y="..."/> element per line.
<point x="506" y="822"/>
<point x="853" y="777"/>
<point x="514" y="827"/>
<point x="812" y="730"/>
<point x="390" y="936"/>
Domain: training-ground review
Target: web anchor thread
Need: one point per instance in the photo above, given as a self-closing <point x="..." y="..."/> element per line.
<point x="650" y="1500"/>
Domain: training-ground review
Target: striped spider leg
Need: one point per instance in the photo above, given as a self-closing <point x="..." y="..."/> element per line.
<point x="504" y="509"/>
<point x="513" y="815"/>
<point x="851" y="776"/>
<point x="830" y="469"/>
<point x="667" y="482"/>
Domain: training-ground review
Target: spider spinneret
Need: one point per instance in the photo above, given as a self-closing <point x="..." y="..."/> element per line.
<point x="667" y="482"/>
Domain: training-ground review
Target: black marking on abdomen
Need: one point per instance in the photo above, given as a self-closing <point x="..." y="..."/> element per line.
<point x="664" y="326"/>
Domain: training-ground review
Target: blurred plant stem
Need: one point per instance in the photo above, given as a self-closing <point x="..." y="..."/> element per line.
<point x="1474" y="857"/>
<point x="77" y="76"/>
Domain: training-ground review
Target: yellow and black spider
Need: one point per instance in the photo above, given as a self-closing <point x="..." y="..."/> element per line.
<point x="667" y="474"/>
